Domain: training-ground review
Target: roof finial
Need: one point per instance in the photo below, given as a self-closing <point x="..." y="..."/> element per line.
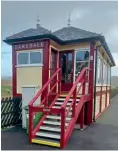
<point x="69" y="20"/>
<point x="38" y="20"/>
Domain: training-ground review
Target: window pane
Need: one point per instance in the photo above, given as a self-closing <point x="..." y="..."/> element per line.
<point x="23" y="58"/>
<point x="82" y="56"/>
<point x="80" y="66"/>
<point x="35" y="57"/>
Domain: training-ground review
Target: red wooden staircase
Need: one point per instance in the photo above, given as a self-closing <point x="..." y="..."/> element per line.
<point x="59" y="116"/>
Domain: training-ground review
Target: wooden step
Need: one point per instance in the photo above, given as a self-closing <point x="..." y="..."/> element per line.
<point x="57" y="117"/>
<point x="60" y="103"/>
<point x="49" y="128"/>
<point x="48" y="135"/>
<point x="53" y="123"/>
<point x="65" y="95"/>
<point x="58" y="107"/>
<point x="63" y="99"/>
<point x="46" y="141"/>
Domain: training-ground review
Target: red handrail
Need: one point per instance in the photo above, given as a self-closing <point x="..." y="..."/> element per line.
<point x="74" y="86"/>
<point x="44" y="87"/>
<point x="34" y="109"/>
<point x="73" y="91"/>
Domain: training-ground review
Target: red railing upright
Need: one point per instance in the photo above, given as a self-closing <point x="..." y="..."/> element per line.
<point x="75" y="109"/>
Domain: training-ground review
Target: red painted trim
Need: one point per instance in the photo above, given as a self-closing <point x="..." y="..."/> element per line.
<point x="45" y="69"/>
<point x="100" y="109"/>
<point x="106" y="98"/>
<point x="82" y="118"/>
<point x="91" y="84"/>
<point x="14" y="73"/>
<point x="99" y="114"/>
<point x="98" y="93"/>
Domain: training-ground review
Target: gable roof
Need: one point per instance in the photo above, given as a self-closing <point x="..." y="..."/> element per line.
<point x="65" y="35"/>
<point x="29" y="33"/>
<point x="73" y="33"/>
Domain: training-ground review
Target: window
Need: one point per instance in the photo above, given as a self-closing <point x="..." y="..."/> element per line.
<point x="109" y="74"/>
<point x="99" y="71"/>
<point x="82" y="60"/>
<point x="29" y="58"/>
<point x="22" y="58"/>
<point x="35" y="57"/>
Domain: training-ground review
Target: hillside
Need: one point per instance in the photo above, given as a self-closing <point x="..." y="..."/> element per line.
<point x="6" y="85"/>
<point x="114" y="81"/>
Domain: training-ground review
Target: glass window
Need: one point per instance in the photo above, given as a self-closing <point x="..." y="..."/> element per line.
<point x="80" y="66"/>
<point x="82" y="56"/>
<point x="82" y="60"/>
<point x="22" y="58"/>
<point x="99" y="70"/>
<point x="109" y="74"/>
<point x="35" y="57"/>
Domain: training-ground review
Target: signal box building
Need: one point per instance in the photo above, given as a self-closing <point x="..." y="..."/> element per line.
<point x="69" y="64"/>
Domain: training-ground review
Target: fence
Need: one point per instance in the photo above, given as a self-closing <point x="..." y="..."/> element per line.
<point x="11" y="111"/>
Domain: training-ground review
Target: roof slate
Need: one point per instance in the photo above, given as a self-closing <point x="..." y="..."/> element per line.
<point x="30" y="32"/>
<point x="64" y="35"/>
<point x="73" y="33"/>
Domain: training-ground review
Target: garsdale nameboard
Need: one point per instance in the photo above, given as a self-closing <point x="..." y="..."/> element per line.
<point x="30" y="45"/>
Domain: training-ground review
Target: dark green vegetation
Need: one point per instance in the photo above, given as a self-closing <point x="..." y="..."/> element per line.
<point x="114" y="92"/>
<point x="6" y="91"/>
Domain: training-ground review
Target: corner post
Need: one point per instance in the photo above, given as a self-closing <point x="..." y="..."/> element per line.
<point x="91" y="84"/>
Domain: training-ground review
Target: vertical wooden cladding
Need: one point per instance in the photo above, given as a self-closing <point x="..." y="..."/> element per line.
<point x="102" y="99"/>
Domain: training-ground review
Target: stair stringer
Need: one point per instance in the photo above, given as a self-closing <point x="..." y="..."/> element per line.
<point x="37" y="128"/>
<point x="73" y="120"/>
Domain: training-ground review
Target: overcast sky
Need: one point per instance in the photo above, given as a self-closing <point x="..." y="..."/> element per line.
<point x="99" y="17"/>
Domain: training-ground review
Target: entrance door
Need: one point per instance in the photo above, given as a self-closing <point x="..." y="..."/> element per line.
<point x="67" y="66"/>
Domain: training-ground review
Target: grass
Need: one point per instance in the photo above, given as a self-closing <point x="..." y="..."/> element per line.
<point x="6" y="91"/>
<point x="114" y="92"/>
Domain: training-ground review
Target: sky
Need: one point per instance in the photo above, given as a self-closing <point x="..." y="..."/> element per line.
<point x="99" y="17"/>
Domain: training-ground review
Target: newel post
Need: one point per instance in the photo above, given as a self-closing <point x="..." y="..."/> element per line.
<point x="30" y="124"/>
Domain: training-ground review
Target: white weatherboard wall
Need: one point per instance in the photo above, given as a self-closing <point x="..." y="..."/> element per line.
<point x="28" y="93"/>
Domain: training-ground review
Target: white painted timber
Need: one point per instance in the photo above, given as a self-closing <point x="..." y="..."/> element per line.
<point x="62" y="99"/>
<point x="57" y="117"/>
<point x="53" y="123"/>
<point x="60" y="103"/>
<point x="48" y="128"/>
<point x="49" y="135"/>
